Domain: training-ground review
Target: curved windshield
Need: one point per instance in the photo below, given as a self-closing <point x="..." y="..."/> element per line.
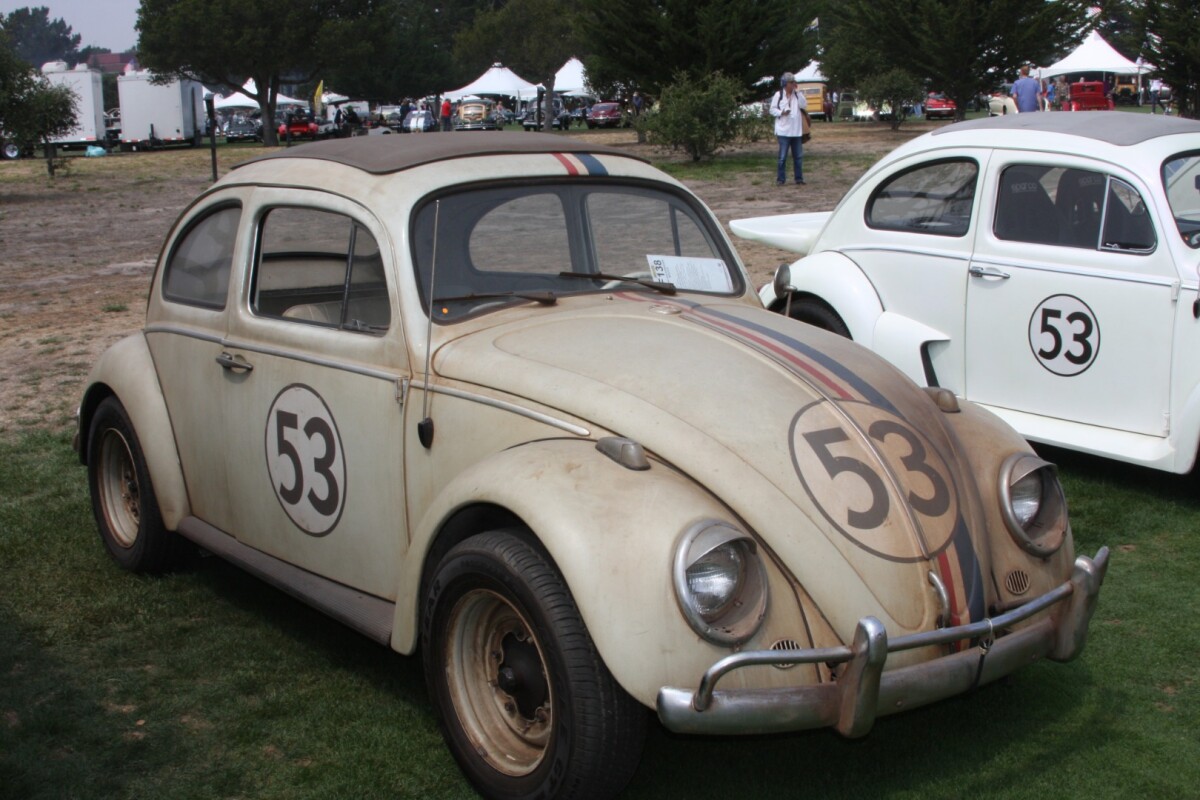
<point x="1181" y="180"/>
<point x="498" y="245"/>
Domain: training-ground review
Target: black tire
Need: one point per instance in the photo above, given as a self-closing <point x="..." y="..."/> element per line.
<point x="819" y="315"/>
<point x="11" y="151"/>
<point x="524" y="701"/>
<point x="123" y="499"/>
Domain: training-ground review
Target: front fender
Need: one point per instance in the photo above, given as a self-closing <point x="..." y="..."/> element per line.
<point x="127" y="371"/>
<point x="611" y="531"/>
<point x="837" y="281"/>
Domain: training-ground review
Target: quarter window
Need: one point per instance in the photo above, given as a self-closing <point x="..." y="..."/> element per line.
<point x="197" y="271"/>
<point x="320" y="268"/>
<point x="934" y="198"/>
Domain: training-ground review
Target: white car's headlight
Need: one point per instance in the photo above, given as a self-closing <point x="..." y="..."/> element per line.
<point x="720" y="582"/>
<point x="1032" y="501"/>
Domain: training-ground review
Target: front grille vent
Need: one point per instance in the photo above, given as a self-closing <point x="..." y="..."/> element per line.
<point x="785" y="644"/>
<point x="1017" y="581"/>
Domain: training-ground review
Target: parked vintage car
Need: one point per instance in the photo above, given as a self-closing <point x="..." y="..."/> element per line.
<point x="938" y="106"/>
<point x="299" y="126"/>
<point x="1090" y="96"/>
<point x="239" y="128"/>
<point x="510" y="400"/>
<point x="1042" y="265"/>
<point x="604" y="115"/>
<point x="532" y="121"/>
<point x="475" y="115"/>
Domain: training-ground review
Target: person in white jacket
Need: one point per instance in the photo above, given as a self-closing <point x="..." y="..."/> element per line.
<point x="790" y="110"/>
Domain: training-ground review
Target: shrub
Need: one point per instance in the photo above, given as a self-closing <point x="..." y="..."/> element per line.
<point x="698" y="114"/>
<point x="893" y="89"/>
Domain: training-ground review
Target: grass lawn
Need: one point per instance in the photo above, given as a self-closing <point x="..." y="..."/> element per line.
<point x="208" y="684"/>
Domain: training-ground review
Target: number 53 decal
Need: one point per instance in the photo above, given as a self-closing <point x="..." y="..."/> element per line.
<point x="1064" y="335"/>
<point x="869" y="488"/>
<point x="304" y="459"/>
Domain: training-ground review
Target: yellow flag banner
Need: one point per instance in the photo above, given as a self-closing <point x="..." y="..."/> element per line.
<point x="317" y="98"/>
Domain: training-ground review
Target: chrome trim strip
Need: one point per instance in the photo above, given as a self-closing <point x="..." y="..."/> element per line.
<point x="1037" y="266"/>
<point x="183" y="331"/>
<point x="538" y="416"/>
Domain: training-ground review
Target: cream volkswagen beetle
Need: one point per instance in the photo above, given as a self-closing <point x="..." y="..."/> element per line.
<point x="1041" y="265"/>
<point x="512" y="403"/>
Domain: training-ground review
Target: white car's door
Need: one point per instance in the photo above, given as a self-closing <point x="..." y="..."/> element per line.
<point x="1072" y="297"/>
<point x="313" y="414"/>
<point x="913" y="242"/>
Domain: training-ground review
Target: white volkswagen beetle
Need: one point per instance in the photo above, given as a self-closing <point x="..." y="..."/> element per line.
<point x="511" y="401"/>
<point x="1043" y="266"/>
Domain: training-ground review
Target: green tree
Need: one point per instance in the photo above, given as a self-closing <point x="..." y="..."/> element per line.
<point x="36" y="39"/>
<point x="31" y="110"/>
<point x="534" y="38"/>
<point x="643" y="44"/>
<point x="227" y="41"/>
<point x="403" y="48"/>
<point x="962" y="47"/>
<point x="698" y="114"/>
<point x="1122" y="23"/>
<point x="1174" y="47"/>
<point x="893" y="89"/>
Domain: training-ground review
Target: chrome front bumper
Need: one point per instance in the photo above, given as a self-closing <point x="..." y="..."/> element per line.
<point x="863" y="691"/>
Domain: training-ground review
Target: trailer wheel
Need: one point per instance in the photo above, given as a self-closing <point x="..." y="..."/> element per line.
<point x="11" y="151"/>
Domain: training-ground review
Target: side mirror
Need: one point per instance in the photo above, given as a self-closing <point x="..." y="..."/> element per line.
<point x="783" y="287"/>
<point x="783" y="281"/>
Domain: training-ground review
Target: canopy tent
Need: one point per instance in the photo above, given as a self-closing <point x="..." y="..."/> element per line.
<point x="810" y="74"/>
<point x="570" y="80"/>
<point x="1094" y="55"/>
<point x="239" y="100"/>
<point x="498" y="79"/>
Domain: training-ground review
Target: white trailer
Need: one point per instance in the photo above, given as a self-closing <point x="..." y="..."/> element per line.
<point x="89" y="102"/>
<point x="156" y="114"/>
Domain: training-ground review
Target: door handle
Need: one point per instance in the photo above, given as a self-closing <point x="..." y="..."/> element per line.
<point x="988" y="272"/>
<point x="234" y="363"/>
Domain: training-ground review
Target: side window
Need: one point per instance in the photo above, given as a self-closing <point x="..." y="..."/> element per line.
<point x="1071" y="208"/>
<point x="934" y="198"/>
<point x="320" y="268"/>
<point x="197" y="271"/>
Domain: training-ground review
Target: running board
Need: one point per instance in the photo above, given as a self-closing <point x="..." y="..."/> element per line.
<point x="365" y="613"/>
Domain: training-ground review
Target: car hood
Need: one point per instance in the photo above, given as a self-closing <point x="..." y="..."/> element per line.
<point x="845" y="468"/>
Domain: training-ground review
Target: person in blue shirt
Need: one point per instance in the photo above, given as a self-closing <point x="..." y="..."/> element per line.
<point x="1026" y="92"/>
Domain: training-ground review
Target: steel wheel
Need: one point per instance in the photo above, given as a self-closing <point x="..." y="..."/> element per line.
<point x="497" y="682"/>
<point x="117" y="485"/>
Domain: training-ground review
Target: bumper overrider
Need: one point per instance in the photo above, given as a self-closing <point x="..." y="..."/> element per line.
<point x="863" y="691"/>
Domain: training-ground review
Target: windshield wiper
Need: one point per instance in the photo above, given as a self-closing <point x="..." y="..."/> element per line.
<point x="658" y="286"/>
<point x="545" y="298"/>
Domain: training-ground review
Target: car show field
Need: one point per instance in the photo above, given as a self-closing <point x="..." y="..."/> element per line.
<point x="208" y="683"/>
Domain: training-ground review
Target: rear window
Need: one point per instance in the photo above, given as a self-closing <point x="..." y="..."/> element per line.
<point x="934" y="198"/>
<point x="197" y="271"/>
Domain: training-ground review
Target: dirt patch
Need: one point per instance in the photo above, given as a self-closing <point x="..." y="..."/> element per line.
<point x="78" y="251"/>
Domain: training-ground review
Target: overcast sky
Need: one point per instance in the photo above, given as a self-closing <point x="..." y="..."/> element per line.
<point x="101" y="23"/>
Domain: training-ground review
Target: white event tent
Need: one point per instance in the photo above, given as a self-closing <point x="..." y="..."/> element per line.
<point x="810" y="74"/>
<point x="570" y="80"/>
<point x="1094" y="55"/>
<point x="239" y="100"/>
<point x="498" y="79"/>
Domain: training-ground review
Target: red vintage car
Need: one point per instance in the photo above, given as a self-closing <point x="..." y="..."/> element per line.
<point x="300" y="127"/>
<point x="1090" y="96"/>
<point x="938" y="106"/>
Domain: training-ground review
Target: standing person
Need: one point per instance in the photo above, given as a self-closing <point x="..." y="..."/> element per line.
<point x="1025" y="91"/>
<point x="789" y="108"/>
<point x="446" y="114"/>
<point x="1156" y="96"/>
<point x="1062" y="93"/>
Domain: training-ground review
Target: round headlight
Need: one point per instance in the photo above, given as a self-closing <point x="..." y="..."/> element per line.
<point x="720" y="582"/>
<point x="1033" y="505"/>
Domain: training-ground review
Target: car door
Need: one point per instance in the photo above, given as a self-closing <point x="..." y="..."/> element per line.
<point x="913" y="242"/>
<point x="315" y="365"/>
<point x="1072" y="297"/>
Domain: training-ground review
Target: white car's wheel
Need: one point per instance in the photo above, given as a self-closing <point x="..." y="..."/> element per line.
<point x="524" y="701"/>
<point x="11" y="151"/>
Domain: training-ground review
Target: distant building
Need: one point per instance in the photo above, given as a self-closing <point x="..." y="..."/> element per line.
<point x="112" y="63"/>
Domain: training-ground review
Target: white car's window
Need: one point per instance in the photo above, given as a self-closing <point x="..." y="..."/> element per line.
<point x="934" y="198"/>
<point x="499" y="245"/>
<point x="320" y="268"/>
<point x="1070" y="207"/>
<point x="197" y="271"/>
<point x="1181" y="179"/>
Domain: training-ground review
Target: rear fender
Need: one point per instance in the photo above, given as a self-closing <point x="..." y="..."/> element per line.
<point x="127" y="371"/>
